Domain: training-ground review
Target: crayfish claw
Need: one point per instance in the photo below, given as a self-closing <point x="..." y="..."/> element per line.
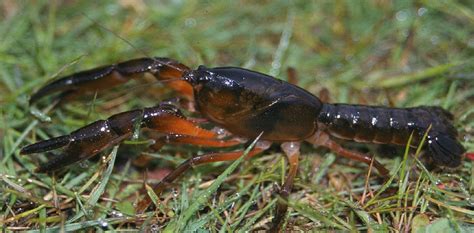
<point x="46" y="145"/>
<point x="58" y="162"/>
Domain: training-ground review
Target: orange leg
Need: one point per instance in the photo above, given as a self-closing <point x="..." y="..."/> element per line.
<point x="202" y="159"/>
<point x="109" y="76"/>
<point x="100" y="135"/>
<point x="192" y="140"/>
<point x="292" y="152"/>
<point x="160" y="141"/>
<point x="321" y="138"/>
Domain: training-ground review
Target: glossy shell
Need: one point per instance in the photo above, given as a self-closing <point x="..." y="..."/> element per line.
<point x="247" y="103"/>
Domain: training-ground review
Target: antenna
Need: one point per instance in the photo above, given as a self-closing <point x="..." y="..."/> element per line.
<point x="131" y="45"/>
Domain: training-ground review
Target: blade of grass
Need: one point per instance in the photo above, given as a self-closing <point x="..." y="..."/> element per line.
<point x="72" y="227"/>
<point x="371" y="224"/>
<point x="179" y="222"/>
<point x="401" y="80"/>
<point x="317" y="215"/>
<point x="99" y="189"/>
<point x="248" y="225"/>
<point x="323" y="168"/>
<point x="198" y="223"/>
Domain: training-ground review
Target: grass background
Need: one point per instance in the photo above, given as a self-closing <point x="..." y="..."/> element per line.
<point x="396" y="53"/>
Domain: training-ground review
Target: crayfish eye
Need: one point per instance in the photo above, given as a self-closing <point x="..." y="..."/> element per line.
<point x="203" y="75"/>
<point x="199" y="76"/>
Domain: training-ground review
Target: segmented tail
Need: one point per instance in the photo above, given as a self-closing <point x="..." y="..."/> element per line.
<point x="375" y="124"/>
<point x="445" y="150"/>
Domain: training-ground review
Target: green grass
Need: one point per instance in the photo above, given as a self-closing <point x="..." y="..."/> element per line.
<point x="407" y="53"/>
